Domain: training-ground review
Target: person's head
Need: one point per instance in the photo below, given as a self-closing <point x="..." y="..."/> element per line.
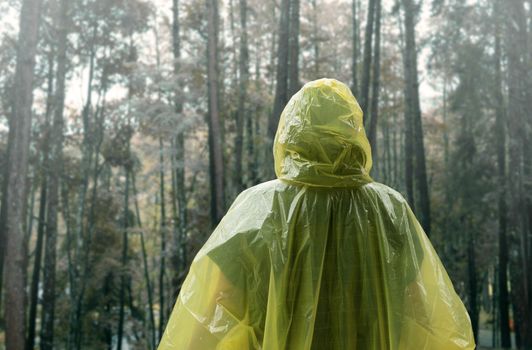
<point x="321" y="140"/>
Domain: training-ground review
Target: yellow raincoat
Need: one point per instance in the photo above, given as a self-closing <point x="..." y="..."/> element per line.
<point x="321" y="258"/>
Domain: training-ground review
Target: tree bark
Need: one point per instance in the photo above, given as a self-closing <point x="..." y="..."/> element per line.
<point x="281" y="87"/>
<point x="215" y="133"/>
<point x="472" y="278"/>
<point x="518" y="115"/>
<point x="500" y="135"/>
<point x="374" y="110"/>
<point x="17" y="172"/>
<point x="315" y="38"/>
<point x="293" y="49"/>
<point x="149" y="289"/>
<point x="414" y="137"/>
<point x="56" y="155"/>
<point x="366" y="68"/>
<point x="242" y="96"/>
<point x="162" y="271"/>
<point x="354" y="45"/>
<point x="180" y="219"/>
<point x="128" y="167"/>
<point x="34" y="289"/>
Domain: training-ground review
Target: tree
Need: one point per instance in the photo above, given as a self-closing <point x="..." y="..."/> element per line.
<point x="178" y="185"/>
<point x="518" y="111"/>
<point x="366" y="66"/>
<point x="56" y="155"/>
<point x="500" y="134"/>
<point x="34" y="289"/>
<point x="281" y="77"/>
<point x="293" y="49"/>
<point x="242" y="111"/>
<point x="413" y="125"/>
<point x="17" y="170"/>
<point x="355" y="44"/>
<point x="215" y="133"/>
<point x="162" y="270"/>
<point x="374" y="110"/>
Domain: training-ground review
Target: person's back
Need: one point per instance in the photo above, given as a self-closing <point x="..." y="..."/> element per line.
<point x="322" y="257"/>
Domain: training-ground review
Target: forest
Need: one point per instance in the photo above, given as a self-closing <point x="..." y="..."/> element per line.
<point x="128" y="127"/>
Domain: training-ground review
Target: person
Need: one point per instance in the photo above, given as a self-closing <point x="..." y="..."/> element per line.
<point x="323" y="257"/>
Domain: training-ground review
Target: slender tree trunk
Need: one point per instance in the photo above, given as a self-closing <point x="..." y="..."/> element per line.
<point x="3" y="217"/>
<point x="281" y="87"/>
<point x="366" y="69"/>
<point x="56" y="155"/>
<point x="162" y="271"/>
<point x="180" y="252"/>
<point x="74" y="338"/>
<point x="94" y="146"/>
<point x="34" y="289"/>
<point x="354" y="45"/>
<point x="242" y="96"/>
<point x="413" y="117"/>
<point x="149" y="289"/>
<point x="252" y="131"/>
<point x="293" y="49"/>
<point x="214" y="122"/>
<point x="500" y="131"/>
<point x="472" y="278"/>
<point x="374" y="110"/>
<point x="235" y="63"/>
<point x="178" y="170"/>
<point x="124" y="274"/>
<point x="17" y="172"/>
<point x="518" y="115"/>
<point x="315" y="39"/>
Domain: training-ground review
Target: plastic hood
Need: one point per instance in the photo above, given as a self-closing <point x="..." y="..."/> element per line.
<point x="321" y="140"/>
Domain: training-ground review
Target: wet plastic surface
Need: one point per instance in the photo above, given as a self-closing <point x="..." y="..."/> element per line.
<point x="322" y="257"/>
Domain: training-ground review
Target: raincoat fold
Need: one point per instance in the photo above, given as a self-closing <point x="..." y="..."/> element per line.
<point x="322" y="257"/>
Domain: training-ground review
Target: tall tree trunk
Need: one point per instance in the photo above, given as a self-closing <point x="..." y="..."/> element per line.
<point x="281" y="86"/>
<point x="413" y="116"/>
<point x="123" y="273"/>
<point x="315" y="38"/>
<point x="56" y="155"/>
<point x="374" y="110"/>
<point x="94" y="146"/>
<point x="162" y="271"/>
<point x="180" y="242"/>
<point x="17" y="171"/>
<point x="34" y="289"/>
<point x="500" y="131"/>
<point x="252" y="121"/>
<point x="215" y="132"/>
<point x="293" y="49"/>
<point x="354" y="45"/>
<point x="128" y="167"/>
<point x="242" y="96"/>
<point x="77" y="293"/>
<point x="518" y="115"/>
<point x="3" y="216"/>
<point x="235" y="63"/>
<point x="366" y="69"/>
<point x="149" y="289"/>
<point x="472" y="278"/>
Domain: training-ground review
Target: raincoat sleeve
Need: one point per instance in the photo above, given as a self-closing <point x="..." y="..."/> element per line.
<point x="213" y="310"/>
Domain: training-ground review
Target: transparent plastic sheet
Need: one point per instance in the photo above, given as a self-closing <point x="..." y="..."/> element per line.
<point x="322" y="257"/>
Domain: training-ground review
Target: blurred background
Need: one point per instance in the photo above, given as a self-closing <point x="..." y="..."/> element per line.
<point x="128" y="127"/>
